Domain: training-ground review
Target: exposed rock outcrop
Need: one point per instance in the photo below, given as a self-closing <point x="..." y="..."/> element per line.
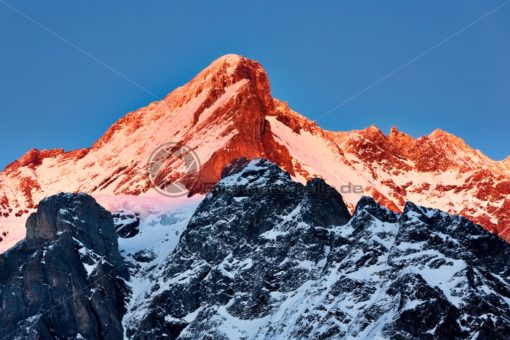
<point x="66" y="279"/>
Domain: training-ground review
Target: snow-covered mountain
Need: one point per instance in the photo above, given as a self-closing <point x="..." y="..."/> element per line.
<point x="260" y="257"/>
<point x="227" y="112"/>
<point x="263" y="257"/>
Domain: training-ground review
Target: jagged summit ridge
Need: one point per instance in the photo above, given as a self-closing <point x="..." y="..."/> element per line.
<point x="222" y="74"/>
<point x="227" y="112"/>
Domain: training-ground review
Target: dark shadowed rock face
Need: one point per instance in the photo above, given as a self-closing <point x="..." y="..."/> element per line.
<point x="66" y="279"/>
<point x="255" y="232"/>
<point x="264" y="257"/>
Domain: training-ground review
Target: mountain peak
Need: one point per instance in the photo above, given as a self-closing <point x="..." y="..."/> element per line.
<point x="227" y="65"/>
<point x="226" y="74"/>
<point x="231" y="60"/>
<point x="444" y="136"/>
<point x="232" y="68"/>
<point x="227" y="112"/>
<point x="34" y="157"/>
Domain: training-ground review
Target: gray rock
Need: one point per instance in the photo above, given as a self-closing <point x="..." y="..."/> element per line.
<point x="66" y="279"/>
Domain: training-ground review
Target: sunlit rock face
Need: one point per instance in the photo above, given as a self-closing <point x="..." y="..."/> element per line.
<point x="227" y="112"/>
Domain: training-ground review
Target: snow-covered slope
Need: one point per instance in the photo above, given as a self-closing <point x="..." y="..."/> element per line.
<point x="227" y="112"/>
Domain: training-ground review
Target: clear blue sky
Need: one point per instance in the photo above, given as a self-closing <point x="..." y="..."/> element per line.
<point x="317" y="56"/>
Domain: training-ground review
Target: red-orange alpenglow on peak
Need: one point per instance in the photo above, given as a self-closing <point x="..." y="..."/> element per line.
<point x="227" y="112"/>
